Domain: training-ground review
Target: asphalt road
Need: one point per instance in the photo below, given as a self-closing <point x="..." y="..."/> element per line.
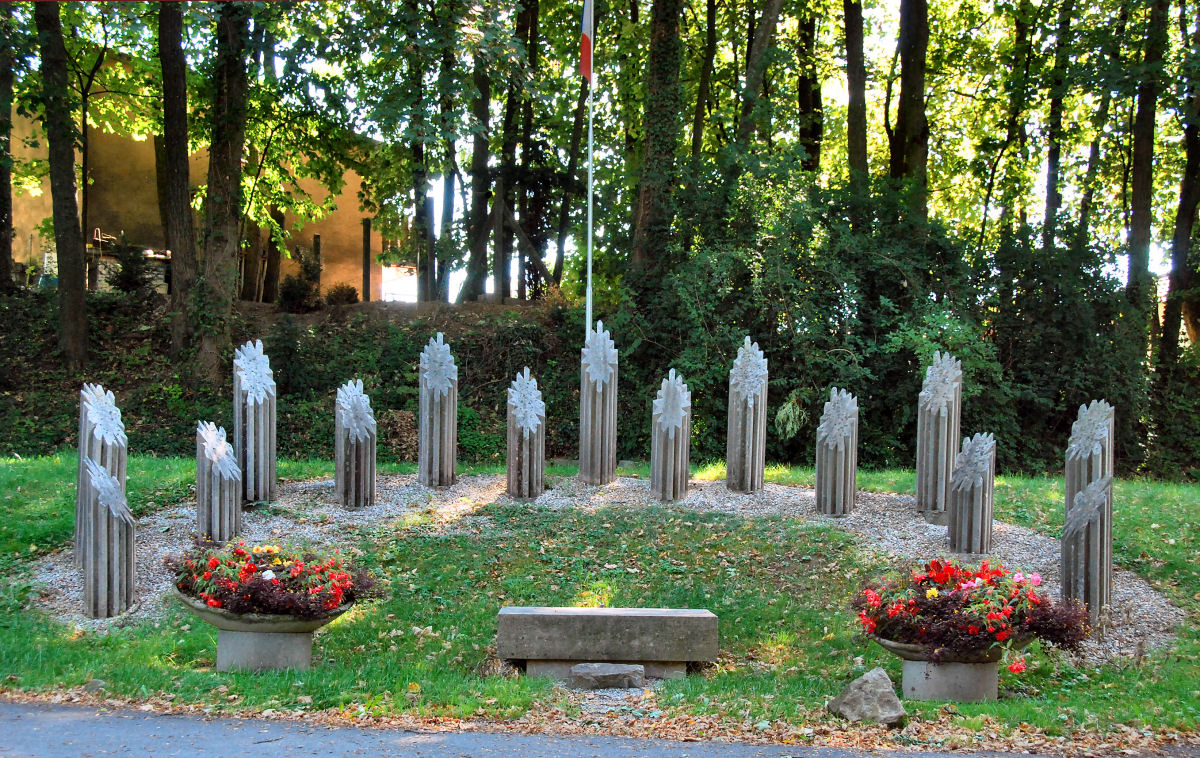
<point x="59" y="730"/>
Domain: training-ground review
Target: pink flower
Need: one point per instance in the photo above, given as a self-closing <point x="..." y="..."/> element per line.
<point x="1035" y="579"/>
<point x="1018" y="577"/>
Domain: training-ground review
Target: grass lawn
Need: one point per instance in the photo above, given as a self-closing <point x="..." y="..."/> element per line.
<point x="780" y="587"/>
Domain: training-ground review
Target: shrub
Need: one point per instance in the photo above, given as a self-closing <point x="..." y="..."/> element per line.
<point x="133" y="273"/>
<point x="341" y="294"/>
<point x="297" y="295"/>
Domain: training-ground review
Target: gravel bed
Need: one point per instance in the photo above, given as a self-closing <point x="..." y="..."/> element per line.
<point x="1141" y="618"/>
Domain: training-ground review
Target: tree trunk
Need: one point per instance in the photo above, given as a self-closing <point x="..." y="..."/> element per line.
<point x="564" y="213"/>
<point x="909" y="143"/>
<point x="756" y="66"/>
<point x="706" y="72"/>
<point x="6" y="100"/>
<point x="423" y="227"/>
<point x="503" y="241"/>
<point x="1182" y="295"/>
<point x="663" y="108"/>
<point x="213" y="294"/>
<point x="68" y="241"/>
<point x="856" y="88"/>
<point x="477" y="265"/>
<point x="1139" y="291"/>
<point x="808" y="95"/>
<point x="270" y="291"/>
<point x="1062" y="42"/>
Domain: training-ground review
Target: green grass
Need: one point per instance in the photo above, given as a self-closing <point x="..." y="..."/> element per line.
<point x="780" y="587"/>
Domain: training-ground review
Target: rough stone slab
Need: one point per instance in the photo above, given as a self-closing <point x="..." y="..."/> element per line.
<point x="599" y="676"/>
<point x="561" y="670"/>
<point x="872" y="698"/>
<point x="263" y="651"/>
<point x="606" y="634"/>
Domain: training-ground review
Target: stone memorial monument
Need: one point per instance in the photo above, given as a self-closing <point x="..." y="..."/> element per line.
<point x="526" y="437"/>
<point x="1090" y="459"/>
<point x="598" y="408"/>
<point x="108" y="558"/>
<point x="101" y="439"/>
<point x="354" y="446"/>
<point x="746" y="432"/>
<point x="837" y="455"/>
<point x="438" y="422"/>
<point x="218" y="485"/>
<point x="254" y="422"/>
<point x="939" y="411"/>
<point x="971" y="489"/>
<point x="1087" y="549"/>
<point x="670" y="439"/>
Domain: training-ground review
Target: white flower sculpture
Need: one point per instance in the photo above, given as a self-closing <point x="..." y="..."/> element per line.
<point x="974" y="462"/>
<point x="102" y="411"/>
<point x="217" y="450"/>
<point x="254" y="372"/>
<point x="942" y="380"/>
<point x="749" y="372"/>
<point x="672" y="403"/>
<point x="599" y="355"/>
<point x="1090" y="429"/>
<point x="838" y="419"/>
<point x="529" y="409"/>
<point x="437" y="366"/>
<point x="354" y="410"/>
<point x="108" y="491"/>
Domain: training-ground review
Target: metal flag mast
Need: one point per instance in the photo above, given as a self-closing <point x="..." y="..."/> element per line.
<point x="590" y="34"/>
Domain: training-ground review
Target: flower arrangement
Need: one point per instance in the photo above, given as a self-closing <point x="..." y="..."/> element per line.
<point x="270" y="579"/>
<point x="964" y="611"/>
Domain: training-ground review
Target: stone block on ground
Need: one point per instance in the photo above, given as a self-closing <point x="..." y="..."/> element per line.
<point x="872" y="698"/>
<point x="600" y="676"/>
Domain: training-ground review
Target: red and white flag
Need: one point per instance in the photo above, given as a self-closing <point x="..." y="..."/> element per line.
<point x="585" y="42"/>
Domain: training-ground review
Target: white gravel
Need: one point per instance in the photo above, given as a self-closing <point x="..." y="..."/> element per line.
<point x="1141" y="618"/>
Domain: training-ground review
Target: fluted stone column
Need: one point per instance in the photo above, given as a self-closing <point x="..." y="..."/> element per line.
<point x="526" y="437"/>
<point x="598" y="408"/>
<point x="1087" y="548"/>
<point x="1090" y="459"/>
<point x="101" y="439"/>
<point x="939" y="410"/>
<point x="254" y="422"/>
<point x="670" y="439"/>
<point x="438" y="433"/>
<point x="971" y="490"/>
<point x="354" y="445"/>
<point x="837" y="455"/>
<point x="108" y="559"/>
<point x="746" y="431"/>
<point x="218" y="485"/>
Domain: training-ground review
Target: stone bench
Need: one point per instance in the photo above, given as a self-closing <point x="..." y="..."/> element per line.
<point x="550" y="640"/>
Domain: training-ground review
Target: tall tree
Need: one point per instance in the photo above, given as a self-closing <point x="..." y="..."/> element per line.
<point x="808" y="95"/>
<point x="214" y="292"/>
<point x="477" y="227"/>
<point x="6" y="157"/>
<point x="909" y="140"/>
<point x="663" y="109"/>
<point x="856" y="88"/>
<point x="704" y="87"/>
<point x="176" y="200"/>
<point x="1140" y="290"/>
<point x="1054" y="124"/>
<point x="68" y="240"/>
<point x="756" y="68"/>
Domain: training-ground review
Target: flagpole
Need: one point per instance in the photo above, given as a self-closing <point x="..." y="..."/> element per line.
<point x="589" y="207"/>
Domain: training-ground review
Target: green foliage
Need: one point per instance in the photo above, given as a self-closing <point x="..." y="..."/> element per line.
<point x="297" y="295"/>
<point x="341" y="294"/>
<point x="133" y="273"/>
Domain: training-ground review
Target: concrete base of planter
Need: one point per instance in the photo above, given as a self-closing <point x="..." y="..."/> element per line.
<point x="961" y="682"/>
<point x="263" y="651"/>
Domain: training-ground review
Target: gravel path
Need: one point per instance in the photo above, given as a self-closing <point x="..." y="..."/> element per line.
<point x="1141" y="617"/>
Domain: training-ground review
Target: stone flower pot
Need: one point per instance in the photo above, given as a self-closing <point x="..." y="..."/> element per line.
<point x="965" y="679"/>
<point x="259" y="641"/>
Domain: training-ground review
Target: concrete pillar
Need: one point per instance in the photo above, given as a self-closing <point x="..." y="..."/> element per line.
<point x="354" y="446"/>
<point x="438" y="433"/>
<point x="101" y="439"/>
<point x="670" y="439"/>
<point x="1090" y="458"/>
<point x="598" y="408"/>
<point x="1087" y="549"/>
<point x="939" y="410"/>
<point x="837" y="455"/>
<point x="254" y="422"/>
<point x="971" y="490"/>
<point x="108" y="565"/>
<point x="218" y="485"/>
<point x="746" y="431"/>
<point x="526" y="437"/>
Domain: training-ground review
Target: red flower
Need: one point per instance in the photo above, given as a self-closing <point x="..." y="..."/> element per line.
<point x="868" y="623"/>
<point x="972" y="629"/>
<point x="214" y="603"/>
<point x="208" y="575"/>
<point x="1002" y="635"/>
<point x="213" y="562"/>
<point x="1017" y="666"/>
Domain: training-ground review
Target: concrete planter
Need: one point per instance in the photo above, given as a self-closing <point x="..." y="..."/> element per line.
<point x="964" y="679"/>
<point x="259" y="641"/>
